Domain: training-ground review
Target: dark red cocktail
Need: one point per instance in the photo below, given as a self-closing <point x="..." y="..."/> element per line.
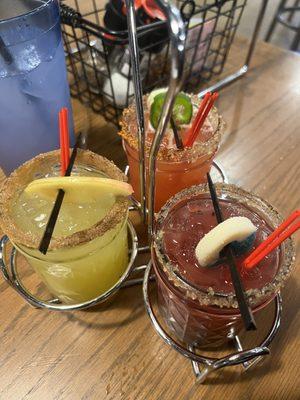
<point x="197" y="303"/>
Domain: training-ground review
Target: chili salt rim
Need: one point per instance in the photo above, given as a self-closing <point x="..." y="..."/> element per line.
<point x="15" y="183"/>
<point x="209" y="296"/>
<point x="189" y="153"/>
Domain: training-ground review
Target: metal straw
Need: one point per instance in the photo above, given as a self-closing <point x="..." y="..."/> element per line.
<point x="177" y="32"/>
<point x="138" y="93"/>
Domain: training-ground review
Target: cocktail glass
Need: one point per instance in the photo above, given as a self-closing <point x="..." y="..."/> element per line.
<point x="175" y="169"/>
<point x="33" y="80"/>
<point x="199" y="304"/>
<point x="88" y="253"/>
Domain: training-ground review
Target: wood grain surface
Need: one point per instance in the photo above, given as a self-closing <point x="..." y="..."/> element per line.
<point x="112" y="352"/>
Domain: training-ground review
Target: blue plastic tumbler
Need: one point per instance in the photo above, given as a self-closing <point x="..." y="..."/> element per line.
<point x="33" y="80"/>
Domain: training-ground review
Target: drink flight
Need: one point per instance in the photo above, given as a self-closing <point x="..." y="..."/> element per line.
<point x="144" y="278"/>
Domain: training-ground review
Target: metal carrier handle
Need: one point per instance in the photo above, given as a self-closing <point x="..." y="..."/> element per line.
<point x="177" y="32"/>
<point x="10" y="274"/>
<point x="247" y="358"/>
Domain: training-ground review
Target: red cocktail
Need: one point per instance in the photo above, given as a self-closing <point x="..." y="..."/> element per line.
<point x="199" y="304"/>
<point x="175" y="169"/>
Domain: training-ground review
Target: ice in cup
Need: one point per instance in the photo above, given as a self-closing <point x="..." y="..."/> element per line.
<point x="199" y="304"/>
<point x="175" y="169"/>
<point x="88" y="252"/>
<point x="33" y="80"/>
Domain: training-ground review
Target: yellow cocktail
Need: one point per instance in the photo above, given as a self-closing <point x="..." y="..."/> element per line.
<point x="88" y="252"/>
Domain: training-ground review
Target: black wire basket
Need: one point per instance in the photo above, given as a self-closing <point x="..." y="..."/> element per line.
<point x="98" y="59"/>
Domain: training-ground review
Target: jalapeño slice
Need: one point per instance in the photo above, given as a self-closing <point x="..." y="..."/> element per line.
<point x="182" y="109"/>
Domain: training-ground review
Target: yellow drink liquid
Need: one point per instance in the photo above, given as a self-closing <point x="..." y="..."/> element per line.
<point x="83" y="272"/>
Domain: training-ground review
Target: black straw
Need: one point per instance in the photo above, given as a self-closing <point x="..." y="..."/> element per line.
<point x="245" y="310"/>
<point x="177" y="137"/>
<point x="5" y="53"/>
<point x="44" y="244"/>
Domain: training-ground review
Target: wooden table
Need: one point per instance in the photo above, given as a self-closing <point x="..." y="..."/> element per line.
<point x="113" y="353"/>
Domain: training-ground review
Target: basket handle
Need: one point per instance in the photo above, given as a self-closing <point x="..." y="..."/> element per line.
<point x="73" y="18"/>
<point x="69" y="16"/>
<point x="187" y="10"/>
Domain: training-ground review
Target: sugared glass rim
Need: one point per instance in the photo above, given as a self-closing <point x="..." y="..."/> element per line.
<point x="174" y="155"/>
<point x="15" y="183"/>
<point x="210" y="297"/>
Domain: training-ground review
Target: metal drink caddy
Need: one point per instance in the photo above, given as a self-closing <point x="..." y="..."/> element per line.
<point x="202" y="366"/>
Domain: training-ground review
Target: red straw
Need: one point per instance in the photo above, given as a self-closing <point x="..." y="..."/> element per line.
<point x="197" y="118"/>
<point x="275" y="239"/>
<point x="66" y="135"/>
<point x="64" y="140"/>
<point x="62" y="144"/>
<point x="201" y="112"/>
<point x="204" y="109"/>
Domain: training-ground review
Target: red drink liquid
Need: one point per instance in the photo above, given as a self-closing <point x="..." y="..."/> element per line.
<point x="171" y="177"/>
<point x="186" y="225"/>
<point x="198" y="304"/>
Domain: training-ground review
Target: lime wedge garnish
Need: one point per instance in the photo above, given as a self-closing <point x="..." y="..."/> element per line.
<point x="78" y="189"/>
<point x="182" y="109"/>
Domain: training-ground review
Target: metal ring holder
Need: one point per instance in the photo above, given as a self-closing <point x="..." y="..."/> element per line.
<point x="203" y="366"/>
<point x="11" y="275"/>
